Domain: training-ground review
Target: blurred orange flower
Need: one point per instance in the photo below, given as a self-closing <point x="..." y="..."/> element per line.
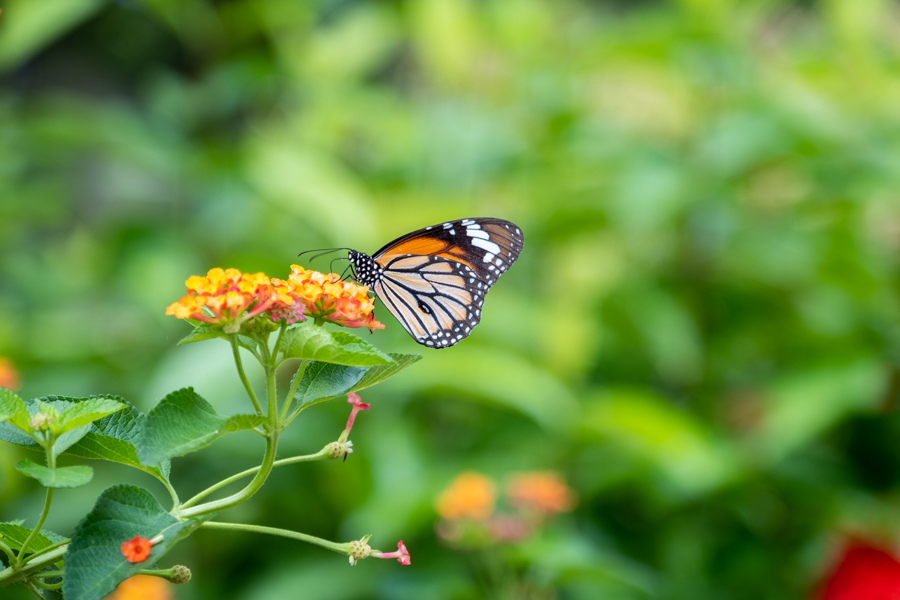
<point x="541" y="491"/>
<point x="328" y="297"/>
<point x="470" y="495"/>
<point x="9" y="378"/>
<point x="143" y="587"/>
<point x="228" y="297"/>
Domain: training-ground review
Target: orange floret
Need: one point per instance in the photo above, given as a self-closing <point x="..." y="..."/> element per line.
<point x="545" y="492"/>
<point x="471" y="495"/>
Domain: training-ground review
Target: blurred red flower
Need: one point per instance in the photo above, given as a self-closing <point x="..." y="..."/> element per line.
<point x="863" y="572"/>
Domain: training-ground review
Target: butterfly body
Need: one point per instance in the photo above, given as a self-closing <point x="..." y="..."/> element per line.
<point x="433" y="280"/>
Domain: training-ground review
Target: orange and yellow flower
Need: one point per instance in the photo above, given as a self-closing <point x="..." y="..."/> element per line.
<point x="328" y="297"/>
<point x="540" y="491"/>
<point x="228" y="297"/>
<point x="470" y="495"/>
<point x="9" y="378"/>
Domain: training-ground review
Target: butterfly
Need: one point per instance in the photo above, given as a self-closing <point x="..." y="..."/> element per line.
<point x="433" y="280"/>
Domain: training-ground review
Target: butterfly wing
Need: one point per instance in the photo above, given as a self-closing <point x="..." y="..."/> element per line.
<point x="434" y="280"/>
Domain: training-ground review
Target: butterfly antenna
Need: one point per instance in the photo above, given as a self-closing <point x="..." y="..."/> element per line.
<point x="321" y="252"/>
<point x="334" y="260"/>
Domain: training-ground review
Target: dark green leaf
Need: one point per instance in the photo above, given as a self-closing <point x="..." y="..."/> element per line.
<point x="115" y="438"/>
<point x="13" y="535"/>
<point x="184" y="422"/>
<point x="94" y="563"/>
<point x="317" y="343"/>
<point x="60" y="477"/>
<point x="324" y="381"/>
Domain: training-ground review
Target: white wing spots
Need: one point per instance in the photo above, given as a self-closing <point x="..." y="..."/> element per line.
<point x="498" y="262"/>
<point x="452" y="232"/>
<point x="488" y="245"/>
<point x="477" y="233"/>
<point x="468" y="222"/>
<point x="447" y="225"/>
<point x="517" y="231"/>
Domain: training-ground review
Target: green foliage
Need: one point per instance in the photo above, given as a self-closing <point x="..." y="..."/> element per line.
<point x="116" y="438"/>
<point x="323" y="381"/>
<point x="183" y="422"/>
<point x="60" y="477"/>
<point x="701" y="332"/>
<point x="94" y="563"/>
<point x="316" y="343"/>
<point x="13" y="534"/>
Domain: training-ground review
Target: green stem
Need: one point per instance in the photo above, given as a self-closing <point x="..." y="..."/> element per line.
<point x="172" y="493"/>
<point x="290" y="395"/>
<point x="235" y="350"/>
<point x="294" y="535"/>
<point x="33" y="589"/>
<point x="281" y="331"/>
<point x="15" y="573"/>
<point x="268" y="458"/>
<point x="323" y="453"/>
<point x="34" y="532"/>
<point x="45" y="550"/>
<point x="10" y="555"/>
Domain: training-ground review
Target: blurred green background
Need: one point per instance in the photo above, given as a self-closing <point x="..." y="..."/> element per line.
<point x="702" y="334"/>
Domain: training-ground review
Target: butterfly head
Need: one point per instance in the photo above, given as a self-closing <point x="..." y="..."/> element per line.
<point x="365" y="269"/>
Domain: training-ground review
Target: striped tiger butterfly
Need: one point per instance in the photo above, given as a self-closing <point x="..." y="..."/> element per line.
<point x="434" y="280"/>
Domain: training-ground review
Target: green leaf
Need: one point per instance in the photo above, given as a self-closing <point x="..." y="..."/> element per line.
<point x="74" y="420"/>
<point x="317" y="343"/>
<point x="94" y="563"/>
<point x="184" y="422"/>
<point x="88" y="410"/>
<point x="324" y="381"/>
<point x="13" y="534"/>
<point x="60" y="477"/>
<point x="13" y="408"/>
<point x="203" y="332"/>
<point x="115" y="438"/>
<point x="206" y="332"/>
<point x="242" y="422"/>
<point x="382" y="372"/>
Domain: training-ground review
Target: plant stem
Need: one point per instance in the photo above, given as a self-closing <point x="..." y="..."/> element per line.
<point x="235" y="350"/>
<point x="37" y="529"/>
<point x="15" y="573"/>
<point x="288" y="400"/>
<point x="46" y="550"/>
<point x="172" y="493"/>
<point x="268" y="458"/>
<point x="294" y="535"/>
<point x="323" y="453"/>
<point x="10" y="555"/>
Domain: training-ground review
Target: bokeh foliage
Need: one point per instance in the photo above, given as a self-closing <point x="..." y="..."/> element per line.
<point x="701" y="334"/>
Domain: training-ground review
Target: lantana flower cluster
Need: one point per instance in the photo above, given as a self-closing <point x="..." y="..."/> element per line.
<point x="330" y="298"/>
<point x="228" y="298"/>
<point x="469" y="513"/>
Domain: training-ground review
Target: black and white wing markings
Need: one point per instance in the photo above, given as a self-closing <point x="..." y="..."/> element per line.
<point x="434" y="280"/>
<point x="438" y="301"/>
